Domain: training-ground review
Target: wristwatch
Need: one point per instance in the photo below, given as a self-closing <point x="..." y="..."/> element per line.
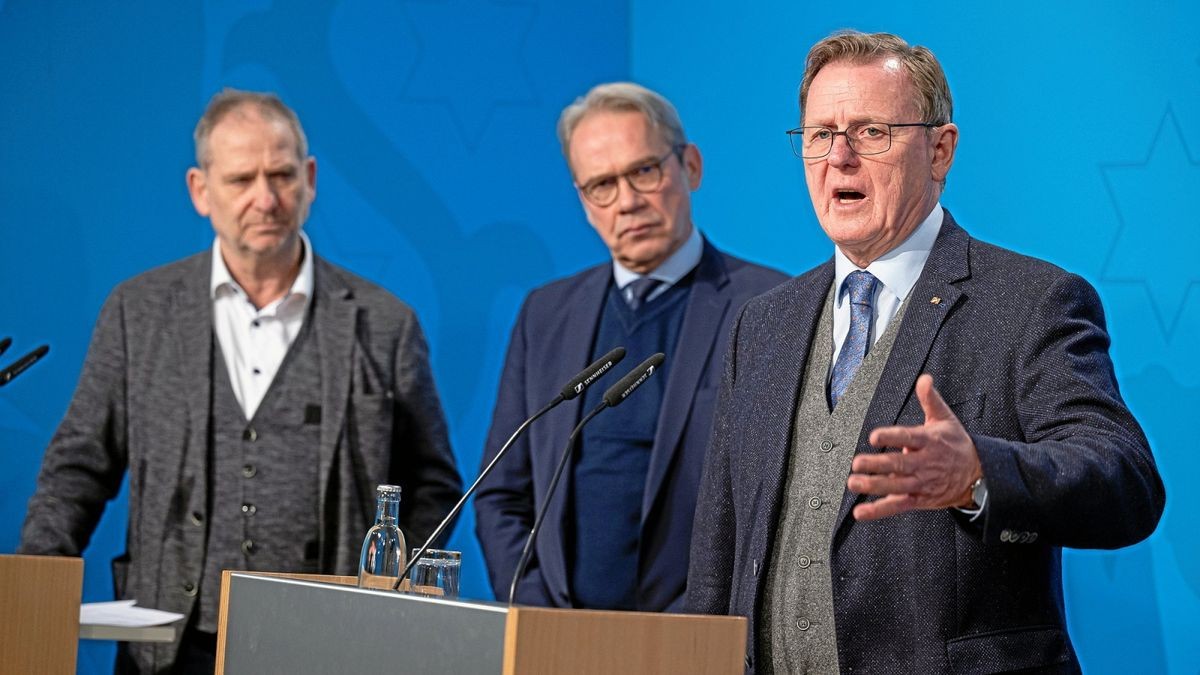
<point x="979" y="493"/>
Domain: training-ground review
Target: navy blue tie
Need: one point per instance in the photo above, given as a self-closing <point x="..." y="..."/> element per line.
<point x="861" y="286"/>
<point x="640" y="289"/>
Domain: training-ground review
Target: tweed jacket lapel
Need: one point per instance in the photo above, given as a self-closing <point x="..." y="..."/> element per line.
<point x="948" y="264"/>
<point x="794" y="315"/>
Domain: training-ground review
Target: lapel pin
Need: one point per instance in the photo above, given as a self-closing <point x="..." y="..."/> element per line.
<point x="935" y="300"/>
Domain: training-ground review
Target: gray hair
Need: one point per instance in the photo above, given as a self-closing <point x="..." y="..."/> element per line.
<point x="933" y="91"/>
<point x="229" y="100"/>
<point x="622" y="97"/>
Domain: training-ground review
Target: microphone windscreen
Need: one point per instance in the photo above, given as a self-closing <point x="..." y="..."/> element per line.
<point x="626" y="386"/>
<point x="592" y="373"/>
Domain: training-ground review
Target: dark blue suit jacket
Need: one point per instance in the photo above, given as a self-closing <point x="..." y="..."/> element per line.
<point x="550" y="343"/>
<point x="1019" y="350"/>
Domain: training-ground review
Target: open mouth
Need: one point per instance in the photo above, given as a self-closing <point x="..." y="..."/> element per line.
<point x="848" y="196"/>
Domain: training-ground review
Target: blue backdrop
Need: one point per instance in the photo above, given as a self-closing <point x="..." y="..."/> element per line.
<point x="439" y="176"/>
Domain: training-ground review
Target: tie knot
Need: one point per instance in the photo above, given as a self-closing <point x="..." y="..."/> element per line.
<point x="640" y="289"/>
<point x="861" y="285"/>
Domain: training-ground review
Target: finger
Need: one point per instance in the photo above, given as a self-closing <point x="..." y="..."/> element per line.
<point x="899" y="437"/>
<point x="882" y="484"/>
<point x="932" y="403"/>
<point x="884" y="508"/>
<point x="883" y="462"/>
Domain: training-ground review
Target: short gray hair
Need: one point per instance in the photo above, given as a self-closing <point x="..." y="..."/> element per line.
<point x="622" y="97"/>
<point x="850" y="46"/>
<point x="227" y="101"/>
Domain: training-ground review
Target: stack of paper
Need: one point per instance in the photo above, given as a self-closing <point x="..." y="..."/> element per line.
<point x="123" y="620"/>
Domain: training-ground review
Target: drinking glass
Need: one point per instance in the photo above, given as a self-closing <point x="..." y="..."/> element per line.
<point x="436" y="573"/>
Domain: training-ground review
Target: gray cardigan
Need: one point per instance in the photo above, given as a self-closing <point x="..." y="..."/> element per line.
<point x="143" y="402"/>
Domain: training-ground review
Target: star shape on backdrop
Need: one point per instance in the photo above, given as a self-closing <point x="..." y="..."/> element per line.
<point x="1158" y="226"/>
<point x="470" y="60"/>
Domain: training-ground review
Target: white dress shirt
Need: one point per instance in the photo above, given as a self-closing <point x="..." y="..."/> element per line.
<point x="897" y="272"/>
<point x="669" y="272"/>
<point x="254" y="341"/>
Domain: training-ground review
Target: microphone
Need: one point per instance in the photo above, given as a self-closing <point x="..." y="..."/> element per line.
<point x="569" y="391"/>
<point x="613" y="396"/>
<point x="22" y="364"/>
<point x="592" y="373"/>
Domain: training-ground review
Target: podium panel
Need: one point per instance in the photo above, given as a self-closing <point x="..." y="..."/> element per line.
<point x="540" y="640"/>
<point x="275" y="624"/>
<point x="39" y="613"/>
<point x="280" y="625"/>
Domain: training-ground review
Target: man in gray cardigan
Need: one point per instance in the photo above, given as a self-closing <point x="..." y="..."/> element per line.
<point x="256" y="393"/>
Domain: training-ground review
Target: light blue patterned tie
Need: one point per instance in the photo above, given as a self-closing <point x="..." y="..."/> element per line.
<point x="862" y="287"/>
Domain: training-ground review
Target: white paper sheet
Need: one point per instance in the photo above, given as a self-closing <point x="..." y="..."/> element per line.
<point x="124" y="613"/>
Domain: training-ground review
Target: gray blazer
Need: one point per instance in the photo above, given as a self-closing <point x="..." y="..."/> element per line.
<point x="143" y="404"/>
<point x="1018" y="349"/>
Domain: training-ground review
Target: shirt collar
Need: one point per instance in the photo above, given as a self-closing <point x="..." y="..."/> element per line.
<point x="672" y="269"/>
<point x="899" y="268"/>
<point x="222" y="279"/>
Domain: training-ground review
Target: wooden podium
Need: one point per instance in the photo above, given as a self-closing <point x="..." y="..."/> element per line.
<point x="284" y="624"/>
<point x="39" y="613"/>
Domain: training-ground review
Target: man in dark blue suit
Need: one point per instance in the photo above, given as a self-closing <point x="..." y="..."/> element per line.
<point x="863" y="519"/>
<point x="616" y="535"/>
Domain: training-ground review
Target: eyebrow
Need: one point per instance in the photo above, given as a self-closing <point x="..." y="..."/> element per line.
<point x="636" y="164"/>
<point x="860" y="120"/>
<point x="284" y="169"/>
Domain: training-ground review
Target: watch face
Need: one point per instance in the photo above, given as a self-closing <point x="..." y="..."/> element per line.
<point x="979" y="493"/>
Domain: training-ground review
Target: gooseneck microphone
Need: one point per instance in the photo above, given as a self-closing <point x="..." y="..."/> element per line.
<point x="613" y="396"/>
<point x="20" y="365"/>
<point x="570" y="390"/>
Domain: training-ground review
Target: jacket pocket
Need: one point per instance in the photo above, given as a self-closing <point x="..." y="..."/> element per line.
<point x="1015" y="649"/>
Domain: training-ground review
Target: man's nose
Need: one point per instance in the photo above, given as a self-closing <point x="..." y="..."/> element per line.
<point x="841" y="154"/>
<point x="265" y="197"/>
<point x="628" y="199"/>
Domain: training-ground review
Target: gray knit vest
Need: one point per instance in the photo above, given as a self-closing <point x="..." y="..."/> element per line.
<point x="796" y="617"/>
<point x="263" y="473"/>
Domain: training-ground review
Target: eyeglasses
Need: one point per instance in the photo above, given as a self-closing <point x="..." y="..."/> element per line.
<point x="865" y="138"/>
<point x="644" y="178"/>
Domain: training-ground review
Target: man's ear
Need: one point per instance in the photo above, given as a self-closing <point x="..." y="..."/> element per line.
<point x="197" y="184"/>
<point x="945" y="140"/>
<point x="693" y="165"/>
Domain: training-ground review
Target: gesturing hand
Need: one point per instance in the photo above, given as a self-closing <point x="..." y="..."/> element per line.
<point x="934" y="469"/>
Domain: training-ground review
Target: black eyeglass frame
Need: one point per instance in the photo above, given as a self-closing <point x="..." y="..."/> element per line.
<point x="657" y="165"/>
<point x="792" y="135"/>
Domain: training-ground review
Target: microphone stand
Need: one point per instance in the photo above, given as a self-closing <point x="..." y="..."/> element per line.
<point x="541" y="512"/>
<point x="613" y="396"/>
<point x="471" y="490"/>
<point x="572" y="389"/>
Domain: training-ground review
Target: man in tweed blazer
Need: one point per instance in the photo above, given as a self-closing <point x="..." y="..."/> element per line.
<point x="243" y="451"/>
<point x="896" y="462"/>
